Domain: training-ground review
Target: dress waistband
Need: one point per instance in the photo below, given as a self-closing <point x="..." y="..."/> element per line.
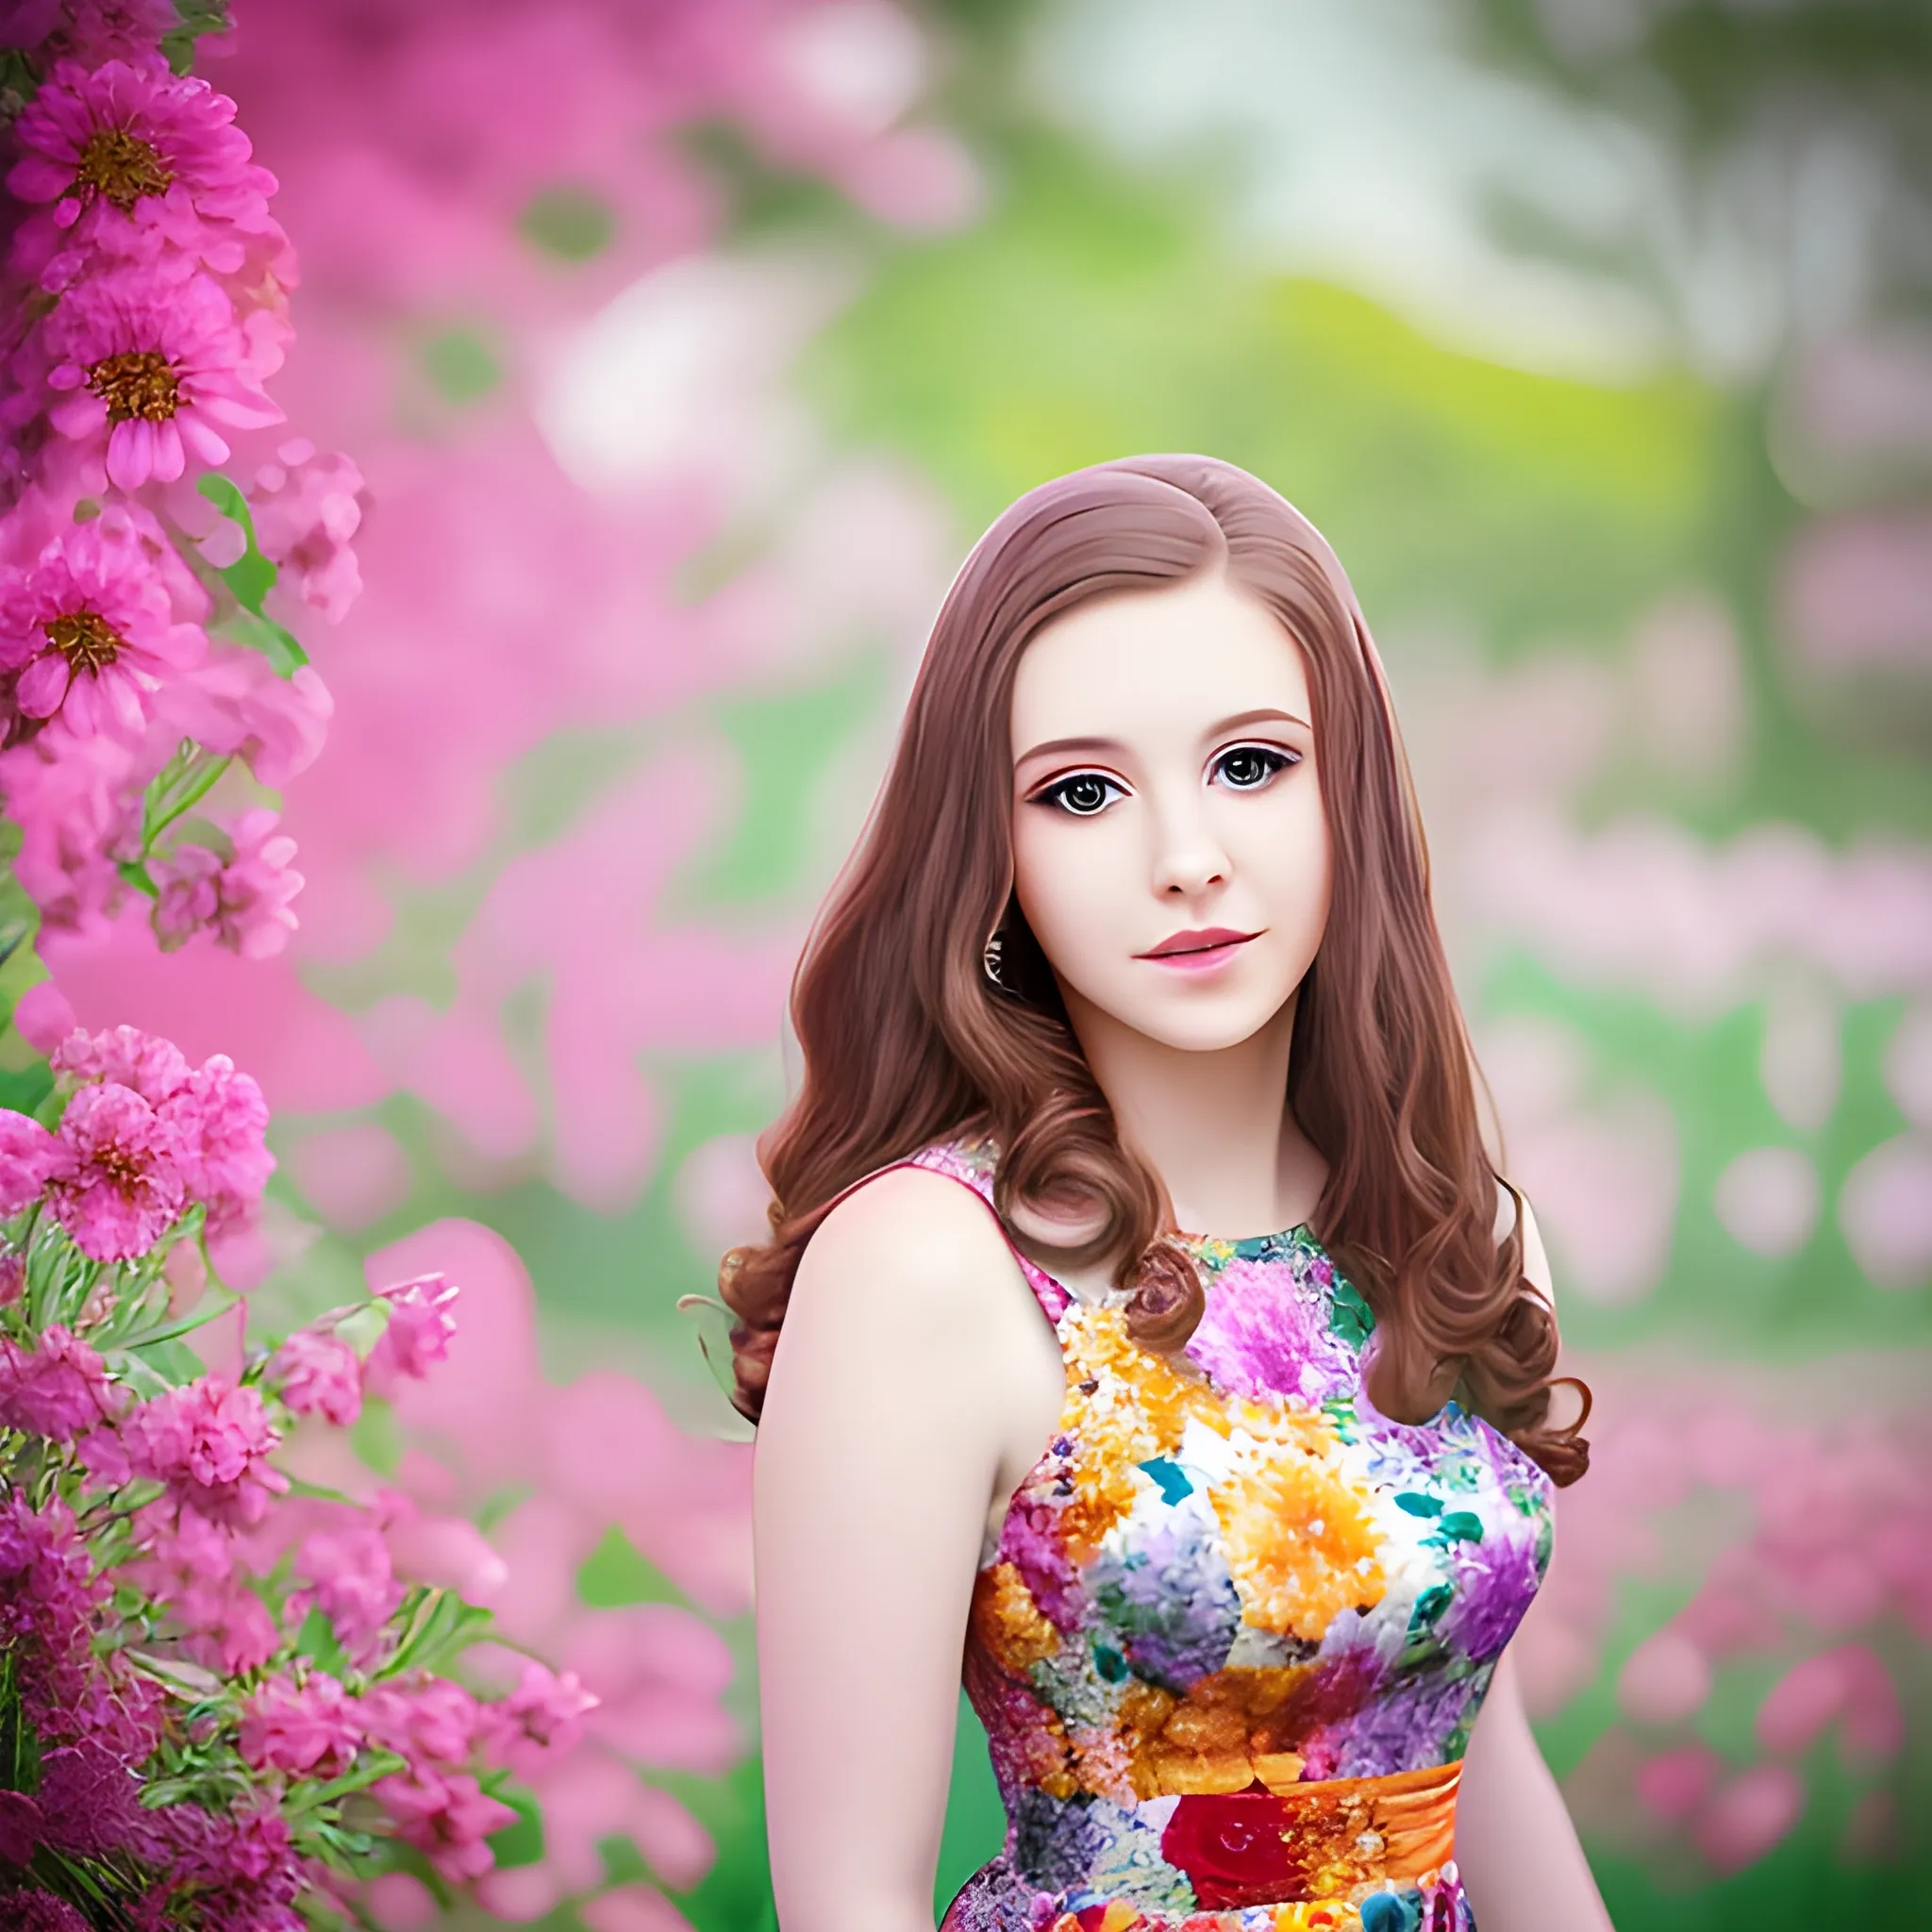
<point x="1334" y="1839"/>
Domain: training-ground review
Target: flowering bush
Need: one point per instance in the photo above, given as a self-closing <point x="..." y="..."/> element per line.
<point x="219" y="1703"/>
<point x="226" y="1693"/>
<point x="150" y="687"/>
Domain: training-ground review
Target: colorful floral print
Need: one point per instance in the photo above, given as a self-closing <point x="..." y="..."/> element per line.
<point x="1237" y="1624"/>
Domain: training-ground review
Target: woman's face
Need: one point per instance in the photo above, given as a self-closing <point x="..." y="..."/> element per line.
<point x="1170" y="849"/>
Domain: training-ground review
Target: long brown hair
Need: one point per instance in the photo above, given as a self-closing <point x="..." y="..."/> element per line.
<point x="906" y="1041"/>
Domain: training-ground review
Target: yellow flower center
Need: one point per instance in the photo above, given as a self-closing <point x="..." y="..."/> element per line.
<point x="137" y="382"/>
<point x="86" y="640"/>
<point x="122" y="167"/>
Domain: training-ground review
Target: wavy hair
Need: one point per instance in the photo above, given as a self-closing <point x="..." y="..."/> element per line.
<point x="906" y="1042"/>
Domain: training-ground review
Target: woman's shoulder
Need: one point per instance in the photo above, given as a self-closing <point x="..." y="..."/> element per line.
<point x="919" y="1235"/>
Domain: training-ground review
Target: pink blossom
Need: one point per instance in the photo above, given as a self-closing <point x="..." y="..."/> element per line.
<point x="28" y="1154"/>
<point x="210" y="1443"/>
<point x="41" y="1911"/>
<point x="234" y="703"/>
<point x="308" y="1729"/>
<point x="186" y="1563"/>
<point x="232" y="1871"/>
<point x="241" y="898"/>
<point x="91" y="631"/>
<point x="97" y="30"/>
<point x="13" y="1279"/>
<point x="154" y="1068"/>
<point x="117" y="1188"/>
<point x="80" y="814"/>
<point x="56" y="1389"/>
<point x="305" y="509"/>
<point x="319" y="1373"/>
<point x="43" y="1016"/>
<point x="546" y="1709"/>
<point x="218" y="1119"/>
<point x="447" y="1817"/>
<point x="131" y="147"/>
<point x="435" y="1722"/>
<point x="344" y="1571"/>
<point x="147" y="368"/>
<point x="419" y="1332"/>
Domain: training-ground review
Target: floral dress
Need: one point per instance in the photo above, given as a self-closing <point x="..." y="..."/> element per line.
<point x="1236" y="1627"/>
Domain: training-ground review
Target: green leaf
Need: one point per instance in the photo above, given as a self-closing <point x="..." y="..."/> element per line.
<point x="251" y="577"/>
<point x="521" y="1843"/>
<point x="173" y="1361"/>
<point x="1461" y="1526"/>
<point x="318" y="1492"/>
<point x="317" y="1641"/>
<point x="377" y="1436"/>
<point x="617" y="1572"/>
<point x="211" y="1310"/>
<point x="1416" y="1503"/>
<point x="440" y="1626"/>
<point x="361" y="1774"/>
<point x="274" y="641"/>
<point x="462" y="365"/>
<point x="570" y="222"/>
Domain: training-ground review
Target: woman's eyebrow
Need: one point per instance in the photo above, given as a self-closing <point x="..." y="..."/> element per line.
<point x="1266" y="714"/>
<point x="1060" y="747"/>
<point x="1056" y="747"/>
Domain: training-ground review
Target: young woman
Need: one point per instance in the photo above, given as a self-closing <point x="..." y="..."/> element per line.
<point x="1131" y="1013"/>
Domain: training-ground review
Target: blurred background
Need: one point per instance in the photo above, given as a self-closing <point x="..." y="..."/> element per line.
<point x="686" y="347"/>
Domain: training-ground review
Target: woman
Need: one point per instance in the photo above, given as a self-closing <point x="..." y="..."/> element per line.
<point x="1136" y="952"/>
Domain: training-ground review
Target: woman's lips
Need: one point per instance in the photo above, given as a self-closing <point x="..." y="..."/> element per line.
<point x="1199" y="952"/>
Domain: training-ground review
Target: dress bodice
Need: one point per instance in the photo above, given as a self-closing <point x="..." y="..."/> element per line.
<point x="1232" y="1636"/>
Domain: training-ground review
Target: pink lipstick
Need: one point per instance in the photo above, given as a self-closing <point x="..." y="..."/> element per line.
<point x="1199" y="950"/>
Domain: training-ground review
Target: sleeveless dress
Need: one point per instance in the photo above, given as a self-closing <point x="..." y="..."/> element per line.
<point x="1236" y="1627"/>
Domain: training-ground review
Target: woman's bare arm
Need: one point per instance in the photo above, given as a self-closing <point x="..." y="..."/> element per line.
<point x="901" y="1375"/>
<point x="1515" y="1845"/>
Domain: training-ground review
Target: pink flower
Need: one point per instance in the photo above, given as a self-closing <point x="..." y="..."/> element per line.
<point x="151" y="367"/>
<point x="154" y="1068"/>
<point x="308" y="1729"/>
<point x="186" y="1563"/>
<point x="210" y="1443"/>
<point x="117" y="1188"/>
<point x="55" y="1388"/>
<point x="235" y="703"/>
<point x="28" y="1154"/>
<point x="43" y="1016"/>
<point x="91" y="631"/>
<point x="546" y="1709"/>
<point x="95" y="30"/>
<point x="241" y="898"/>
<point x="132" y="149"/>
<point x="305" y="509"/>
<point x="13" y="1279"/>
<point x="346" y="1571"/>
<point x="418" y="1335"/>
<point x="319" y="1373"/>
<point x="446" y="1817"/>
<point x="80" y="814"/>
<point x="218" y="1119"/>
<point x="435" y="1723"/>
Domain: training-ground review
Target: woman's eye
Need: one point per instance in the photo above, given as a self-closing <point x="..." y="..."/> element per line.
<point x="1248" y="767"/>
<point x="1084" y="794"/>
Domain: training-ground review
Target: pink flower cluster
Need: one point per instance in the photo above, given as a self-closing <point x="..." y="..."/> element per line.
<point x="149" y="288"/>
<point x="143" y="1137"/>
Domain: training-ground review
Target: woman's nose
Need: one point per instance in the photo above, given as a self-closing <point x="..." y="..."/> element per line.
<point x="1187" y="856"/>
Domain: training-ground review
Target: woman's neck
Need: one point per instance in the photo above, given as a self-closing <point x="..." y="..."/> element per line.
<point x="1215" y="1126"/>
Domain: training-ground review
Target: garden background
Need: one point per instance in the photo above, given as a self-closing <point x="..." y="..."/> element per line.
<point x="684" y="349"/>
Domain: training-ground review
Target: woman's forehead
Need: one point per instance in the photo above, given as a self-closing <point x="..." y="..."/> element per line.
<point x="1156" y="663"/>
